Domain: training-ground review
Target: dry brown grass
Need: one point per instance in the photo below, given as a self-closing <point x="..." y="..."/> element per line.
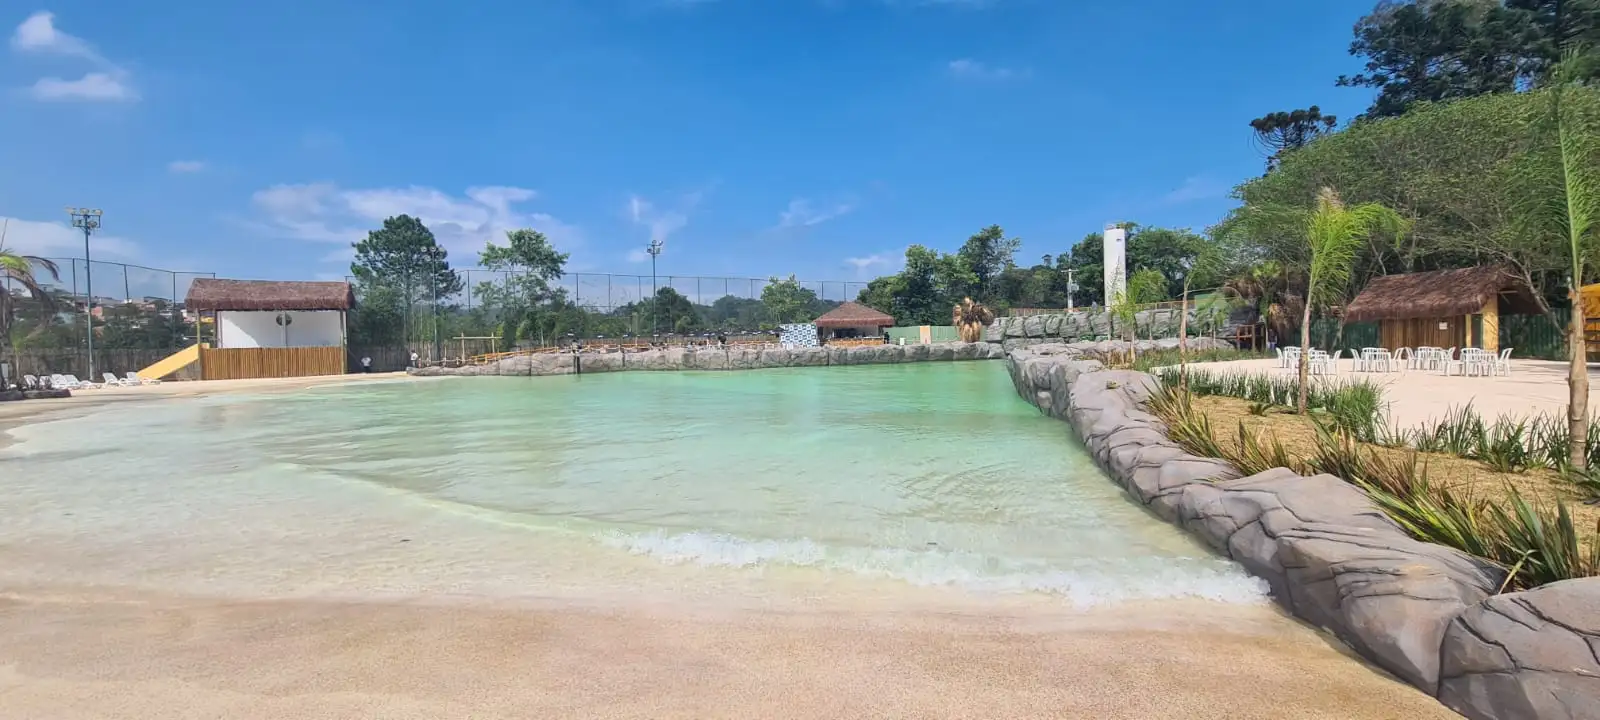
<point x="1463" y="476"/>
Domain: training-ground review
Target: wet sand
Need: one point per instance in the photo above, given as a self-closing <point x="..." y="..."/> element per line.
<point x="144" y="657"/>
<point x="659" y="650"/>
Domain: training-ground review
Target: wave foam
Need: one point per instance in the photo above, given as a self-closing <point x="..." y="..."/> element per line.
<point x="1085" y="582"/>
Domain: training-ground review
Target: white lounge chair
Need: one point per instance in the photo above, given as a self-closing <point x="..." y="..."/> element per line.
<point x="113" y="381"/>
<point x="73" y="383"/>
<point x="134" y="378"/>
<point x="30" y="382"/>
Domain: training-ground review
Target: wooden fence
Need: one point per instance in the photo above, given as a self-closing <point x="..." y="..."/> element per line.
<point x="240" y="363"/>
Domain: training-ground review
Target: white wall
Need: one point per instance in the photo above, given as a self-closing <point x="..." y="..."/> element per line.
<point x="253" y="329"/>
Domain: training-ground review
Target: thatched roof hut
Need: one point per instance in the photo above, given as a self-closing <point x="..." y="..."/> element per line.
<point x="210" y="294"/>
<point x="1441" y="293"/>
<point x="854" y="315"/>
<point x="1443" y="308"/>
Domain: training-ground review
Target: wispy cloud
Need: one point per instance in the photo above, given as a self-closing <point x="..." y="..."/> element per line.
<point x="803" y="213"/>
<point x="57" y="239"/>
<point x="183" y="167"/>
<point x="324" y="212"/>
<point x="876" y="264"/>
<point x="1196" y="187"/>
<point x="969" y="69"/>
<point x="662" y="224"/>
<point x="108" y="83"/>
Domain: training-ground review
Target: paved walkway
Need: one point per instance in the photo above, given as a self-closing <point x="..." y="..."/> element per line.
<point x="1416" y="396"/>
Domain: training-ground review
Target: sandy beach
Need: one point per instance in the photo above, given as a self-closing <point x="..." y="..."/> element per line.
<point x="82" y="656"/>
<point x="663" y="642"/>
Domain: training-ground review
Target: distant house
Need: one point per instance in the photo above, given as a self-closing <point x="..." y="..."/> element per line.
<point x="852" y="319"/>
<point x="1443" y="308"/>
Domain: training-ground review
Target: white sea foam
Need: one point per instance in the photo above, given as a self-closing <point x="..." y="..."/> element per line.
<point x="1082" y="581"/>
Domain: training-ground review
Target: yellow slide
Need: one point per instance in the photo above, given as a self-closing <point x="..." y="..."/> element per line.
<point x="172" y="363"/>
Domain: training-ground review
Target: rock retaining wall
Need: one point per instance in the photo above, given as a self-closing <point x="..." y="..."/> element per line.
<point x="1424" y="612"/>
<point x="717" y="358"/>
<point x="1084" y="326"/>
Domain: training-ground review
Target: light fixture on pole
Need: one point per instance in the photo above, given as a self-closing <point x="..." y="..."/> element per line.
<point x="655" y="297"/>
<point x="87" y="220"/>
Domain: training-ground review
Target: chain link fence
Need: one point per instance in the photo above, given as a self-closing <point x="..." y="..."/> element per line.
<point x="608" y="292"/>
<point x="577" y="305"/>
<point x="137" y="313"/>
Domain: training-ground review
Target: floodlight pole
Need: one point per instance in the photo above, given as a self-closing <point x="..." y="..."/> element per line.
<point x="1070" y="287"/>
<point x="655" y="298"/>
<point x="87" y="220"/>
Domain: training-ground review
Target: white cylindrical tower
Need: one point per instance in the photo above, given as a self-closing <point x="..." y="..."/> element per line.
<point x="1116" y="269"/>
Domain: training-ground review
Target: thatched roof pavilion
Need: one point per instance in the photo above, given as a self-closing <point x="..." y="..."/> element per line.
<point x="272" y="328"/>
<point x="210" y="294"/>
<point x="1443" y="308"/>
<point x="854" y="315"/>
<point x="1441" y="293"/>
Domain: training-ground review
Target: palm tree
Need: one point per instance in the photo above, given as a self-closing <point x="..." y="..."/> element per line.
<point x="20" y="270"/>
<point x="1334" y="232"/>
<point x="1563" y="194"/>
<point x="970" y="318"/>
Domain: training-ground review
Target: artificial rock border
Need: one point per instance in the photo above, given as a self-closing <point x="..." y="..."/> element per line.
<point x="1424" y="612"/>
<point x="719" y="358"/>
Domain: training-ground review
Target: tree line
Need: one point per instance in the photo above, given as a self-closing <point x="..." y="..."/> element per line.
<point x="407" y="291"/>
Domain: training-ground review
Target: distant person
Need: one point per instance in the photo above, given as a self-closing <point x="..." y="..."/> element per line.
<point x="414" y="359"/>
<point x="722" y="338"/>
<point x="366" y="364"/>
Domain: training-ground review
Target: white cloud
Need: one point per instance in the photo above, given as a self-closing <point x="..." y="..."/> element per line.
<point x="324" y="212"/>
<point x="92" y="87"/>
<point x="969" y="69"/>
<point x="109" y="83"/>
<point x="802" y="213"/>
<point x="61" y="240"/>
<point x="661" y="224"/>
<point x="1196" y="187"/>
<point x="186" y="166"/>
<point x="38" y="34"/>
<point x="881" y="263"/>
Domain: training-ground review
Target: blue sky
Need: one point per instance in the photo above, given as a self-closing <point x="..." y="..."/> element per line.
<point x="756" y="137"/>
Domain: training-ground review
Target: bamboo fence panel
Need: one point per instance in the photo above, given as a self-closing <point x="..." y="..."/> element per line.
<point x="242" y="363"/>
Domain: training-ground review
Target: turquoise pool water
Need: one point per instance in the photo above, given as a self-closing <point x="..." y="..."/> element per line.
<point x="926" y="475"/>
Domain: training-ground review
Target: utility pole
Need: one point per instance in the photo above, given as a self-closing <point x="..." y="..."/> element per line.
<point x="1072" y="287"/>
<point x="655" y="297"/>
<point x="87" y="220"/>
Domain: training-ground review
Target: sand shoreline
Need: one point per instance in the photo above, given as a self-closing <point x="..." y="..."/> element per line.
<point x="674" y="651"/>
<point x="146" y="656"/>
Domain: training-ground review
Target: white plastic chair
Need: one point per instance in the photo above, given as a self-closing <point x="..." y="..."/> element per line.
<point x="1444" y="359"/>
<point x="113" y="381"/>
<point x="1502" y="364"/>
<point x="69" y="382"/>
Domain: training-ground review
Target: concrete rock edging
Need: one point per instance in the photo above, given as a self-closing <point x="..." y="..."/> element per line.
<point x="718" y="358"/>
<point x="1424" y="612"/>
